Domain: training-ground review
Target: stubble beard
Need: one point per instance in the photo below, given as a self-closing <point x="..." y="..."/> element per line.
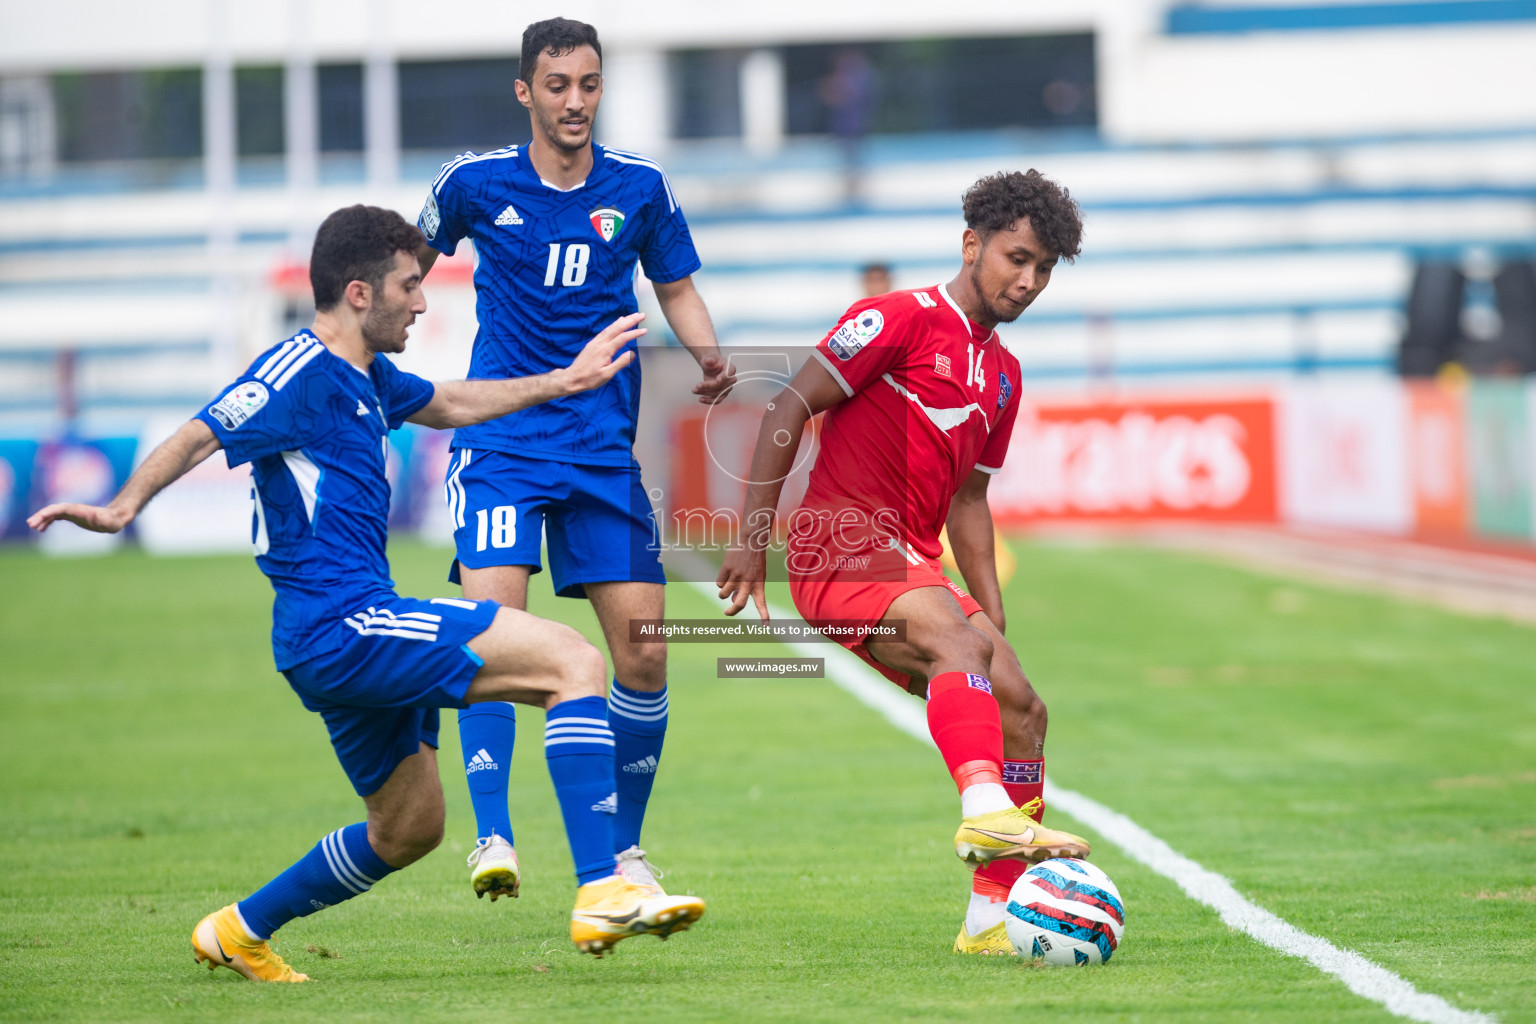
<point x="383" y="330"/>
<point x="552" y="133"/>
<point x="993" y="313"/>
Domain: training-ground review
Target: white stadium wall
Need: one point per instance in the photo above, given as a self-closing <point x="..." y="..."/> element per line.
<point x="1153" y="86"/>
<point x="1319" y="84"/>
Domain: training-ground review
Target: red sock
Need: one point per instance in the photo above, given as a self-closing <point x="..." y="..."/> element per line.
<point x="963" y="720"/>
<point x="996" y="879"/>
<point x="1025" y="781"/>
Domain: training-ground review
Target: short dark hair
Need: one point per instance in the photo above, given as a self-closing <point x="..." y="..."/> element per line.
<point x="996" y="202"/>
<point x="357" y="243"/>
<point x="556" y="37"/>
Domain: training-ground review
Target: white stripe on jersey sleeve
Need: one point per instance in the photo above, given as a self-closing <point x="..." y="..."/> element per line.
<point x="271" y="369"/>
<point x="298" y="364"/>
<point x="466" y="159"/>
<point x="826" y="361"/>
<point x="284" y="350"/>
<point x="637" y="160"/>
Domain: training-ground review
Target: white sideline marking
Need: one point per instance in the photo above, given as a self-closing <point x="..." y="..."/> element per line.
<point x="1201" y="884"/>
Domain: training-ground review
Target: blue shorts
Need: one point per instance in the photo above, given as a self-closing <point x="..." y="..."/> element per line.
<point x="379" y="692"/>
<point x="597" y="520"/>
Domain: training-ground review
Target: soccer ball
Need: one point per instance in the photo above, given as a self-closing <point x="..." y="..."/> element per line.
<point x="1065" y="912"/>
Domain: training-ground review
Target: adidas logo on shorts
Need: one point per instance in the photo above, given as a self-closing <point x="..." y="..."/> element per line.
<point x="645" y="766"/>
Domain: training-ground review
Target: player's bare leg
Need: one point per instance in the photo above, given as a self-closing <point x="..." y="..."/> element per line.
<point x="1023" y="713"/>
<point x="955" y="657"/>
<point x="637" y="712"/>
<point x="640" y="666"/>
<point x="529" y="660"/>
<point x="507" y="585"/>
<point x="1023" y="717"/>
<point x="487" y="734"/>
<point x="938" y="638"/>
<point x="405" y="815"/>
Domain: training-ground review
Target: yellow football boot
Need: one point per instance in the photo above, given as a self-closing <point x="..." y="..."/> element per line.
<point x="220" y="940"/>
<point x="614" y="909"/>
<point x="990" y="942"/>
<point x="493" y="868"/>
<point x="1013" y="835"/>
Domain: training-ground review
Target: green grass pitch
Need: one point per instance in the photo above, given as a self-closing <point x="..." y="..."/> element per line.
<point x="1362" y="767"/>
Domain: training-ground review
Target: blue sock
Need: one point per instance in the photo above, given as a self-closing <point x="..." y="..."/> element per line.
<point x="486" y="735"/>
<point x="639" y="724"/>
<point x="341" y="865"/>
<point x="579" y="748"/>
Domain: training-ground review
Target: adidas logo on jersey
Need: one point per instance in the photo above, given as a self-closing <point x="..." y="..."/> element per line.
<point x="925" y="300"/>
<point x="509" y="216"/>
<point x="645" y="766"/>
<point x="362" y="410"/>
<point x="482" y="761"/>
<point x="608" y="804"/>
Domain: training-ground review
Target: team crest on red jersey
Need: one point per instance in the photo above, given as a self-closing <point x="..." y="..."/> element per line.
<point x="941" y="364"/>
<point x="607" y="221"/>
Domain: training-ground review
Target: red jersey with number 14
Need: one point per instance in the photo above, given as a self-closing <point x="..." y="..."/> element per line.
<point x="931" y="396"/>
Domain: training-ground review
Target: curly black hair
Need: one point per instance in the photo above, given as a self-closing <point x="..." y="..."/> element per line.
<point x="556" y="37"/>
<point x="996" y="202"/>
<point x="357" y="243"/>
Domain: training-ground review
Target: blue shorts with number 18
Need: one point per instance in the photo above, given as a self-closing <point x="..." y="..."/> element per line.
<point x="597" y="519"/>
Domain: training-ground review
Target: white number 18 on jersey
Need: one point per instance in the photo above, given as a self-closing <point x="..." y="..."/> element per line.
<point x="576" y="256"/>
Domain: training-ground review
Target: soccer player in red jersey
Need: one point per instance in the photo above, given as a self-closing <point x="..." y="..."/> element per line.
<point x="921" y="397"/>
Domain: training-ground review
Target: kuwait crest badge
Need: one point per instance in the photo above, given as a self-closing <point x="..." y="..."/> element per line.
<point x="608" y="222"/>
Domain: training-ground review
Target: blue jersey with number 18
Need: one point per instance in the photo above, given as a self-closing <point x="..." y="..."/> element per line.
<point x="554" y="268"/>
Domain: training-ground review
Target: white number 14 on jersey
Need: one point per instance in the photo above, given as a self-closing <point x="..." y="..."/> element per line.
<point x="974" y="375"/>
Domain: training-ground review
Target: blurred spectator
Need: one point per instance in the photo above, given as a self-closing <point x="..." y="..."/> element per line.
<point x="850" y="92"/>
<point x="876" y="279"/>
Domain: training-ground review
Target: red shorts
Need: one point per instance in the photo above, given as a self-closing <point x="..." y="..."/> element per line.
<point x="848" y="590"/>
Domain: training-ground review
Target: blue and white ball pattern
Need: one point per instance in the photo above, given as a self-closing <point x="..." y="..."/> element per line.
<point x="1065" y="912"/>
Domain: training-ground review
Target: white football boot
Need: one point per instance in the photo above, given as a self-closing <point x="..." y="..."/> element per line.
<point x="632" y="866"/>
<point x="493" y="868"/>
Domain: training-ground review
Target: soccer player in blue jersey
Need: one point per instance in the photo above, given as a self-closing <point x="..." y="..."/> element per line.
<point x="558" y="225"/>
<point x="313" y="416"/>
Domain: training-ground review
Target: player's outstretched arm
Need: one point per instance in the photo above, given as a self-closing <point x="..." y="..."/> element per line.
<point x="184" y="449"/>
<point x="971" y="539"/>
<point x="459" y="403"/>
<point x="744" y="572"/>
<point x="686" y="314"/>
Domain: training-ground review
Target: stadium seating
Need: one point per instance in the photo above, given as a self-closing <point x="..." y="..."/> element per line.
<point x="1200" y="263"/>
